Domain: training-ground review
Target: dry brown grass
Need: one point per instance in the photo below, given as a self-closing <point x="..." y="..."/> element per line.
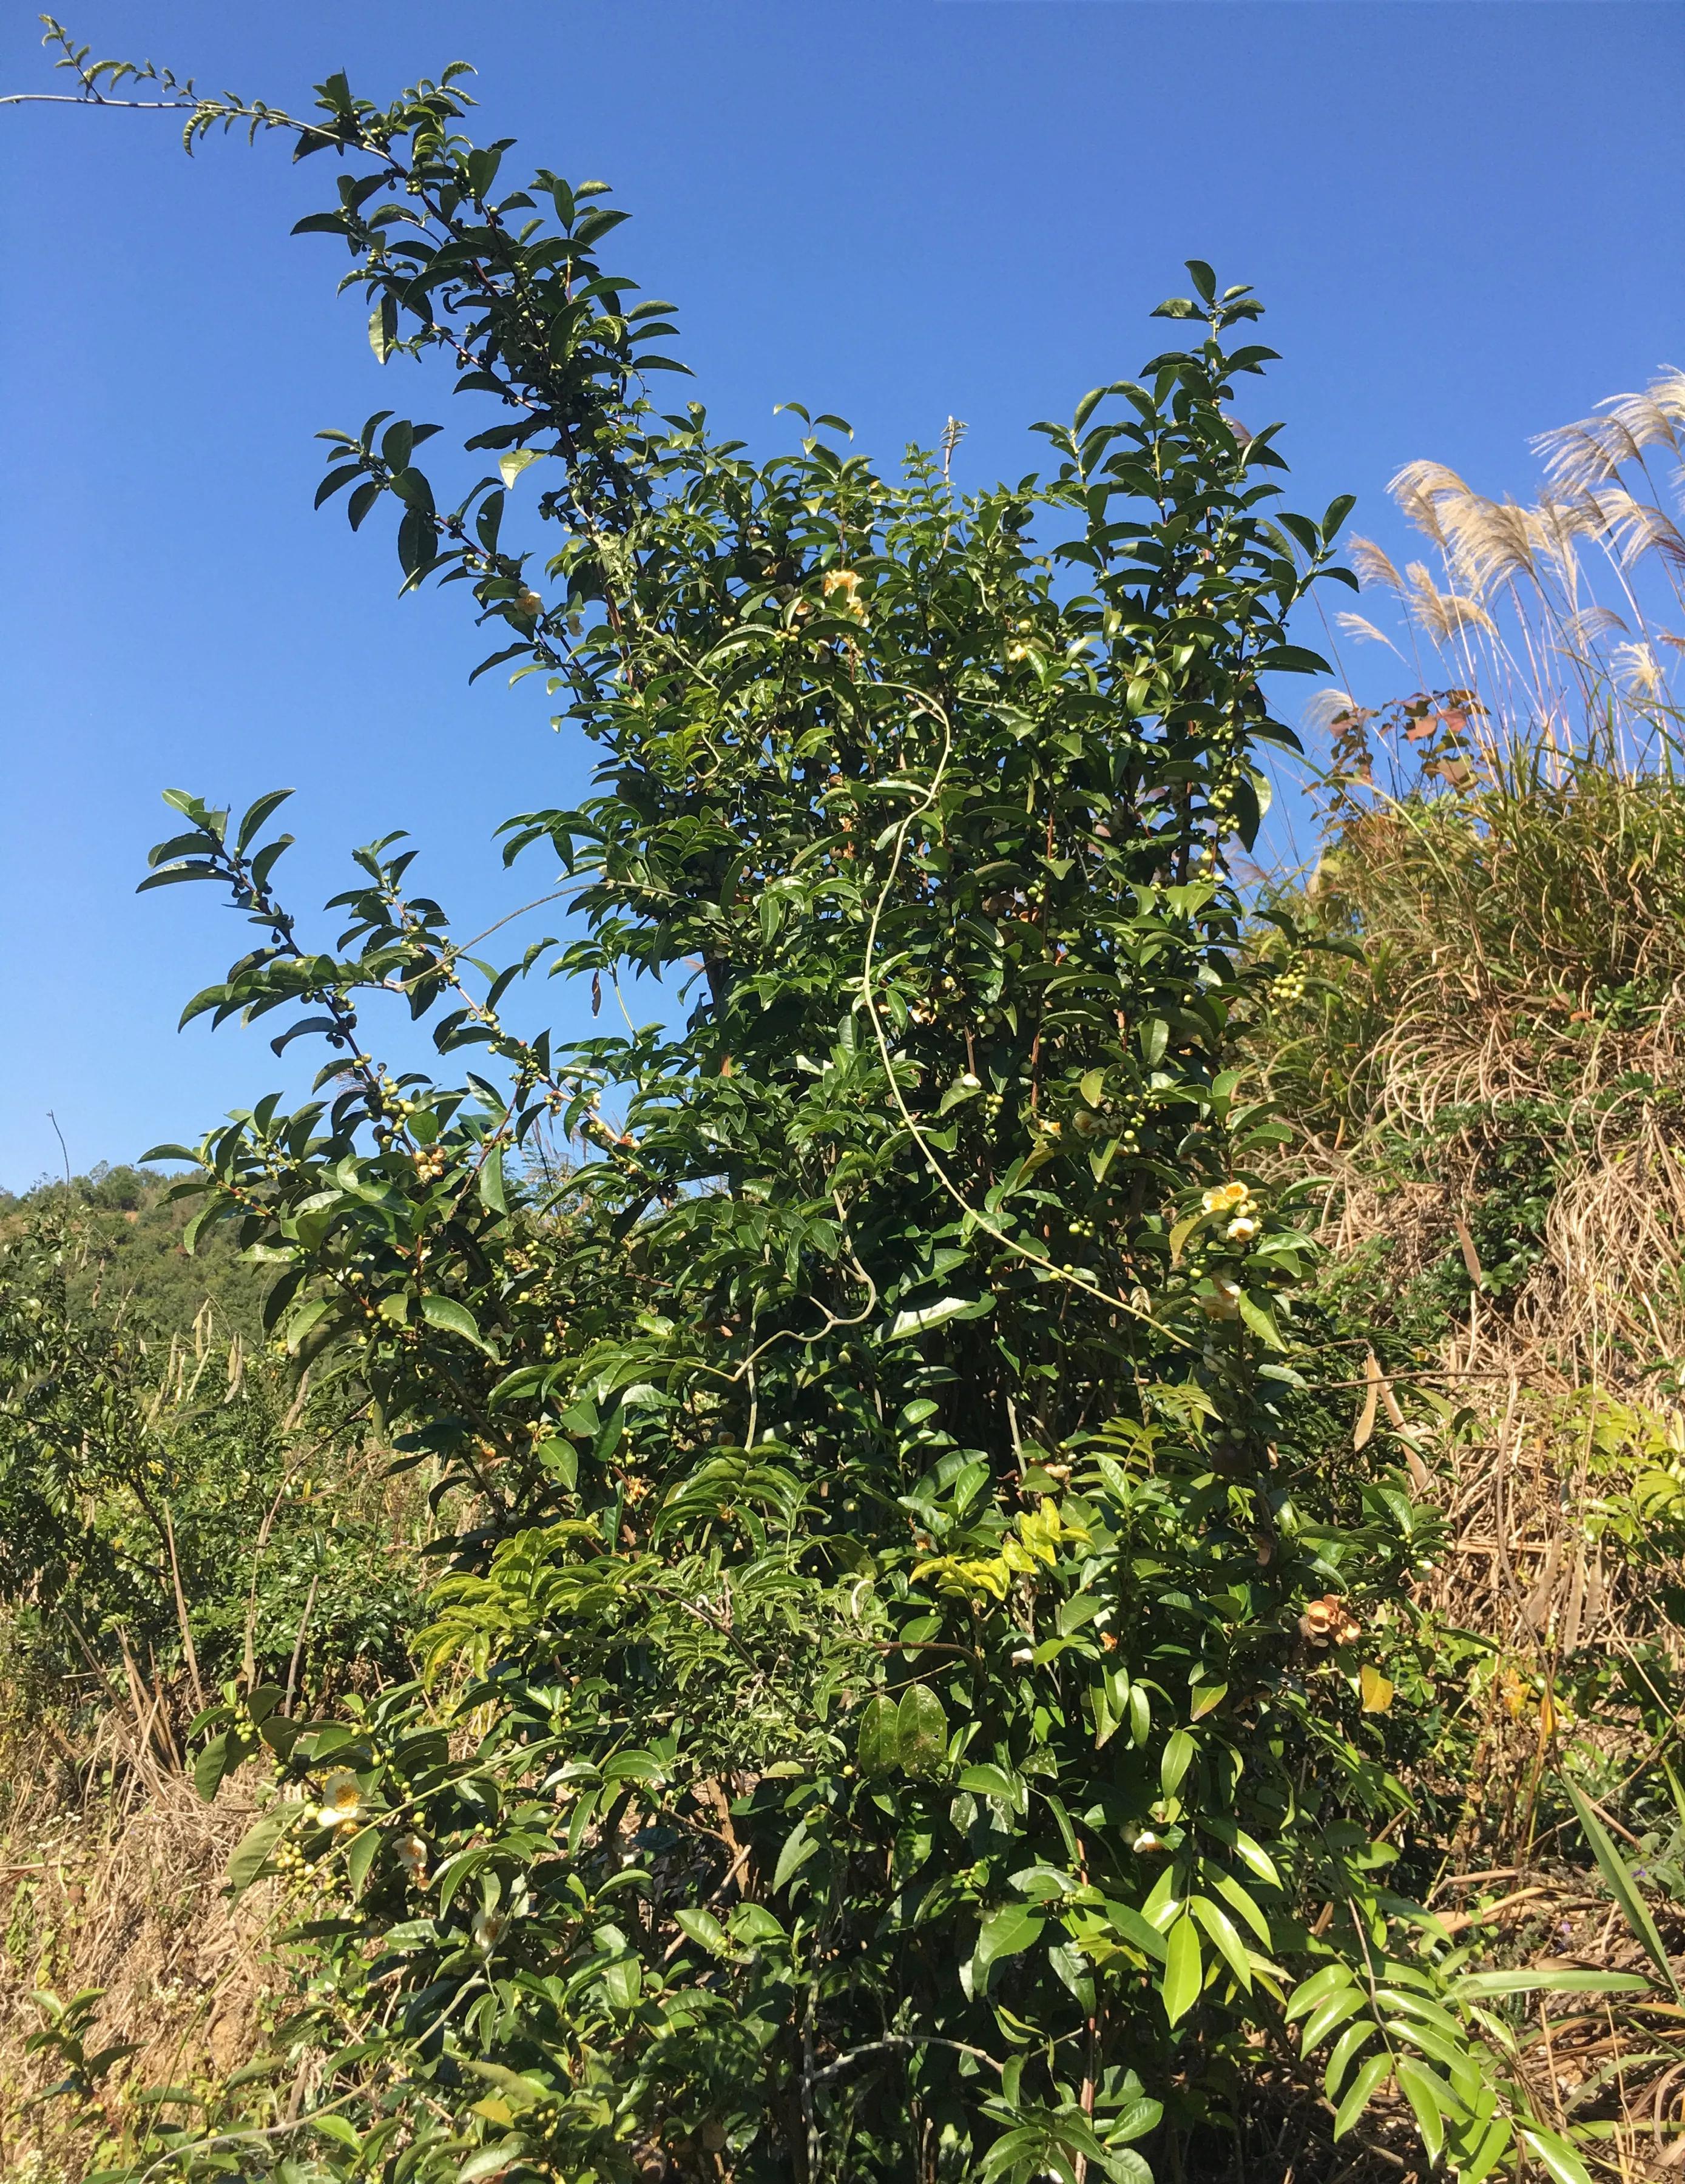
<point x="1522" y="914"/>
<point x="111" y="1875"/>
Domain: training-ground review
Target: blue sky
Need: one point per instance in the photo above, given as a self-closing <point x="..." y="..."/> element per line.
<point x="1467" y="220"/>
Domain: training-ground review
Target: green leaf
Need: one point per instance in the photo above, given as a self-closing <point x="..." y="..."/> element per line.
<point x="1256" y="1316"/>
<point x="1126" y="1921"/>
<point x="491" y="1182"/>
<point x="338" y="2128"/>
<point x="1621" y="1885"/>
<point x="1176" y="1759"/>
<point x="494" y="2160"/>
<point x="256" y="815"/>
<point x="1334" y="2009"/>
<point x="1181" y="1234"/>
<point x="453" y="1318"/>
<point x="365" y="1846"/>
<point x="1361" y="2091"/>
<point x="383" y="328"/>
<point x="1223" y="1935"/>
<point x="1344" y="2051"/>
<point x="1473" y="1985"/>
<point x="1254" y="1855"/>
<point x="211" y="1765"/>
<point x="921" y="1730"/>
<point x="703" y="1928"/>
<point x="1007" y="1932"/>
<point x="623" y="1982"/>
<point x="1430" y="2096"/>
<point x="635" y="1765"/>
<point x="1184" y="1970"/>
<point x="251" y="1854"/>
<point x="920" y="1322"/>
<point x="878" y="1741"/>
<point x="1555" y="2155"/>
<point x="798" y="1848"/>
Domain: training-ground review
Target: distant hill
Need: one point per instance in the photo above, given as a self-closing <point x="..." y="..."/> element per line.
<point x="132" y="1256"/>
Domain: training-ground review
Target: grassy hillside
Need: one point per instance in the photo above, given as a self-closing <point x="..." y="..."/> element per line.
<point x="128" y="1259"/>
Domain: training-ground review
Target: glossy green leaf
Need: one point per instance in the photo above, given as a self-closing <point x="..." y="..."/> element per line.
<point x="1370" y="2076"/>
<point x="1344" y="2051"/>
<point x="878" y="1741"/>
<point x="921" y="1730"/>
<point x="1555" y="2156"/>
<point x="1184" y="1970"/>
<point x="1007" y="1932"/>
<point x="452" y="1316"/>
<point x="1430" y="2098"/>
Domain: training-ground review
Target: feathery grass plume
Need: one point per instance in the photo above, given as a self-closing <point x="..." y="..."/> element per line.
<point x="1559" y="611"/>
<point x="1360" y="627"/>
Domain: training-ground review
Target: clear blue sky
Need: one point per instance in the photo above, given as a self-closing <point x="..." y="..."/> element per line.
<point x="1468" y="221"/>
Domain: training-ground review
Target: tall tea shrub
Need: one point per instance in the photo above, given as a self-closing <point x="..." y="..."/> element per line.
<point x="900" y="1704"/>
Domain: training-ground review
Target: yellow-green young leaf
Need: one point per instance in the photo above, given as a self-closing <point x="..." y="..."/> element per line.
<point x="1430" y="2096"/>
<point x="338" y="2127"/>
<point x="1205" y="1699"/>
<point x="1184" y="1970"/>
<point x="1555" y="2156"/>
<point x="1092" y="1086"/>
<point x="1345" y="2053"/>
<point x="1181" y="1234"/>
<point x="1361" y="2091"/>
<point x="1375" y="1689"/>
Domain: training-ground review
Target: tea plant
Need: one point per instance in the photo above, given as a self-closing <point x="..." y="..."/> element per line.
<point x="902" y="1704"/>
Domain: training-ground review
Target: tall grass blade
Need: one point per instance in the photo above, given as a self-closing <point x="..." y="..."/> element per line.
<point x="1622" y="1885"/>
